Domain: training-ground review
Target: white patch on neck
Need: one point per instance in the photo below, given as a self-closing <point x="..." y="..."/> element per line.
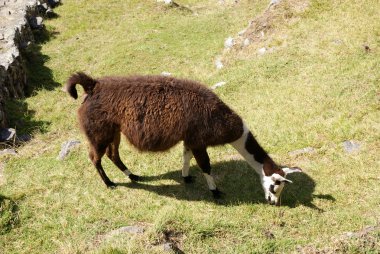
<point x="239" y="145"/>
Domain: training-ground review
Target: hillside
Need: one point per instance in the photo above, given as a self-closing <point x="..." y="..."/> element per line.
<point x="304" y="76"/>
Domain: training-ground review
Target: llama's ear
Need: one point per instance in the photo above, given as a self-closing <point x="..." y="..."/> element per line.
<point x="291" y="170"/>
<point x="277" y="177"/>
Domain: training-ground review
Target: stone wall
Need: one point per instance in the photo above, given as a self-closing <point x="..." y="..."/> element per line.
<point x="17" y="20"/>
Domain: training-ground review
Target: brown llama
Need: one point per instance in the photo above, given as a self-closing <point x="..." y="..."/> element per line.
<point x="157" y="112"/>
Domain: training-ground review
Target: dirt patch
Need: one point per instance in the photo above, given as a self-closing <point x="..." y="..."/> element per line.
<point x="266" y="33"/>
<point x="170" y="240"/>
<point x="366" y="240"/>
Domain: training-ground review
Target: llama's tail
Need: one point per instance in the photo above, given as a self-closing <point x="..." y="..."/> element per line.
<point x="81" y="78"/>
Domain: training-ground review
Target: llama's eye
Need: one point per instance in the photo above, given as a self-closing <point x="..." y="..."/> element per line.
<point x="278" y="182"/>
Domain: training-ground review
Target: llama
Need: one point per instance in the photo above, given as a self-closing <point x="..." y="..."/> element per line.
<point x="157" y="112"/>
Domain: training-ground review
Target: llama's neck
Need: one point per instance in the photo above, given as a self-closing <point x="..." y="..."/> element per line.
<point x="253" y="153"/>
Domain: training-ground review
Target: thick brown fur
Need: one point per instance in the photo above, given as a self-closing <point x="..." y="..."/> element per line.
<point x="153" y="112"/>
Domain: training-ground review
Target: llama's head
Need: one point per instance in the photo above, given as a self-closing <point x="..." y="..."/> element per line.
<point x="274" y="184"/>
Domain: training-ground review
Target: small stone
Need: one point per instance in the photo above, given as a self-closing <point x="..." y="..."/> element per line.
<point x="8" y="152"/>
<point x="306" y="150"/>
<point x="127" y="229"/>
<point x="39" y="21"/>
<point x="166" y="1"/>
<point x="131" y="229"/>
<point x="66" y="148"/>
<point x="165" y="73"/>
<point x="242" y="32"/>
<point x="219" y="84"/>
<point x="261" y="51"/>
<point x="351" y="146"/>
<point x="7" y="134"/>
<point x="167" y="247"/>
<point x="229" y="43"/>
<point x="246" y="42"/>
<point x="274" y="2"/>
<point x="36" y="22"/>
<point x="218" y="64"/>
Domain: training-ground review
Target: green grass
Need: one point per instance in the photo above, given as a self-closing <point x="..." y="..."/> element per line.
<point x="318" y="89"/>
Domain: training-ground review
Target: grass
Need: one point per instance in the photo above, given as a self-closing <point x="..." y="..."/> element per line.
<point x="318" y="88"/>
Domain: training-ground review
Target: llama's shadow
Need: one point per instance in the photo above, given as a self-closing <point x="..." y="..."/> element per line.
<point x="237" y="180"/>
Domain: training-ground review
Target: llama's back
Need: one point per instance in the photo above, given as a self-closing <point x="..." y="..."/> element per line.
<point x="156" y="112"/>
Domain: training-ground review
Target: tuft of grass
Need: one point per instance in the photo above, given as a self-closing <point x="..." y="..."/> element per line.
<point x="318" y="88"/>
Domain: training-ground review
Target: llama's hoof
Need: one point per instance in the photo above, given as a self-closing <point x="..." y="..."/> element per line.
<point x="217" y="194"/>
<point x="134" y="178"/>
<point x="111" y="185"/>
<point x="189" y="179"/>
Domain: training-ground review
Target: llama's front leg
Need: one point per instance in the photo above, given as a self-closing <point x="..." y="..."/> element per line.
<point x="203" y="162"/>
<point x="187" y="155"/>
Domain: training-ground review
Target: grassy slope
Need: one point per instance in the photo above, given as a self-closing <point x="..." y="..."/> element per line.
<point x="319" y="90"/>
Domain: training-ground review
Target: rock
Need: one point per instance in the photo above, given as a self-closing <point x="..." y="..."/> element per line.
<point x="165" y="73"/>
<point x="36" y="23"/>
<point x="8" y="152"/>
<point x="167" y="246"/>
<point x="218" y="64"/>
<point x="66" y="148"/>
<point x="229" y="43"/>
<point x="306" y="150"/>
<point x="262" y="51"/>
<point x="274" y="2"/>
<point x="219" y="84"/>
<point x="42" y="7"/>
<point x="7" y="134"/>
<point x="168" y="2"/>
<point x="351" y="146"/>
<point x="242" y="32"/>
<point x="246" y="42"/>
<point x="127" y="229"/>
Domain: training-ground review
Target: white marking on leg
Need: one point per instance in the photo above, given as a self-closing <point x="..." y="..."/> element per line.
<point x="127" y="172"/>
<point x="210" y="181"/>
<point x="187" y="155"/>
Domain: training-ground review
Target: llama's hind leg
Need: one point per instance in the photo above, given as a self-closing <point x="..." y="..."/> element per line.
<point x="187" y="155"/>
<point x="203" y="162"/>
<point x="96" y="154"/>
<point x="113" y="154"/>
